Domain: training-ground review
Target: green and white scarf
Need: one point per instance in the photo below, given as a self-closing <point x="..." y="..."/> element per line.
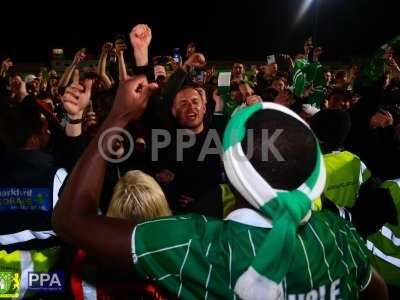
<point x="286" y="209"/>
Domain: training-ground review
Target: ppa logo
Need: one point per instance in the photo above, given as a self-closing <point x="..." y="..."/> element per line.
<point x="9" y="284"/>
<point x="46" y="281"/>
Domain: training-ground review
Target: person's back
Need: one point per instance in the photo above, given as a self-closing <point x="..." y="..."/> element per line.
<point x="208" y="255"/>
<point x="385" y="244"/>
<point x="345" y="174"/>
<point x="29" y="184"/>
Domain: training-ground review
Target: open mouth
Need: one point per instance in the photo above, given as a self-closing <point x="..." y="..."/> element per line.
<point x="191" y="116"/>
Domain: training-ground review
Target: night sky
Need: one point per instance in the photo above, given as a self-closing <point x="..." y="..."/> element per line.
<point x="223" y="30"/>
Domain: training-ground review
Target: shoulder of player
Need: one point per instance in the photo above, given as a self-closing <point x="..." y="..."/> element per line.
<point x="188" y="222"/>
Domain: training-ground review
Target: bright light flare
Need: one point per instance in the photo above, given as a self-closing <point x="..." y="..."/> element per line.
<point x="303" y="10"/>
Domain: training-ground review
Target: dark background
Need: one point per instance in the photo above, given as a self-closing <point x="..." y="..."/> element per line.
<point x="247" y="29"/>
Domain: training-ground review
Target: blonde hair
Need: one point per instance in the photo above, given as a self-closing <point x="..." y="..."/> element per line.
<point x="138" y="196"/>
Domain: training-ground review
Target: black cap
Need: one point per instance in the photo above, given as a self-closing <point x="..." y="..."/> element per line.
<point x="331" y="126"/>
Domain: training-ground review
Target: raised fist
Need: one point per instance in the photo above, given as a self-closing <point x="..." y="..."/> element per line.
<point x="76" y="97"/>
<point x="120" y="47"/>
<point x="197" y="60"/>
<point x="132" y="98"/>
<point x="140" y="36"/>
<point x="107" y="47"/>
<point x="79" y="56"/>
<point x="219" y="102"/>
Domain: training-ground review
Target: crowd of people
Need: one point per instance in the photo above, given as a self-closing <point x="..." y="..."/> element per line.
<point x="143" y="181"/>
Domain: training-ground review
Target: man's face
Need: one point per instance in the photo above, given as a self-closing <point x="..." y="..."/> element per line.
<point x="34" y="85"/>
<point x="328" y="77"/>
<point x="15" y="83"/>
<point x="238" y="69"/>
<point x="264" y="68"/>
<point x="8" y="63"/>
<point x="189" y="109"/>
<point x="272" y="68"/>
<point x="278" y="85"/>
<point x="174" y="66"/>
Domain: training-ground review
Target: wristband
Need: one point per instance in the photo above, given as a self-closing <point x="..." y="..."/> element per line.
<point x="75" y="121"/>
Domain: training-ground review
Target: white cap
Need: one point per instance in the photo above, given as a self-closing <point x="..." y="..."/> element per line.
<point x="29" y="78"/>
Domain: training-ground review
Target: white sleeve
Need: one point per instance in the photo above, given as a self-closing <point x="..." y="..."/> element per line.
<point x="58" y="181"/>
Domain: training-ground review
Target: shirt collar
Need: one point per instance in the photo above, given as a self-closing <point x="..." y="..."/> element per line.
<point x="249" y="217"/>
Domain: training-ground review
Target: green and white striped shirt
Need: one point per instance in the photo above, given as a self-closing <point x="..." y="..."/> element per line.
<point x="195" y="257"/>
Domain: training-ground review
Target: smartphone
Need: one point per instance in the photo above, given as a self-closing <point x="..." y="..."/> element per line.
<point x="200" y="76"/>
<point x="176" y="55"/>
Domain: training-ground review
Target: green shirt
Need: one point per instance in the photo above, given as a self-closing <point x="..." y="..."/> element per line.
<point x="195" y="257"/>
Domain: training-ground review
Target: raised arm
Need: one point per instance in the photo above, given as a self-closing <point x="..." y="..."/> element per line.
<point x="140" y="37"/>
<point x="120" y="47"/>
<point x="66" y="77"/>
<point x="75" y="106"/>
<point x="75" y="217"/>
<point x="5" y="66"/>
<point x="376" y="288"/>
<point x="101" y="67"/>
